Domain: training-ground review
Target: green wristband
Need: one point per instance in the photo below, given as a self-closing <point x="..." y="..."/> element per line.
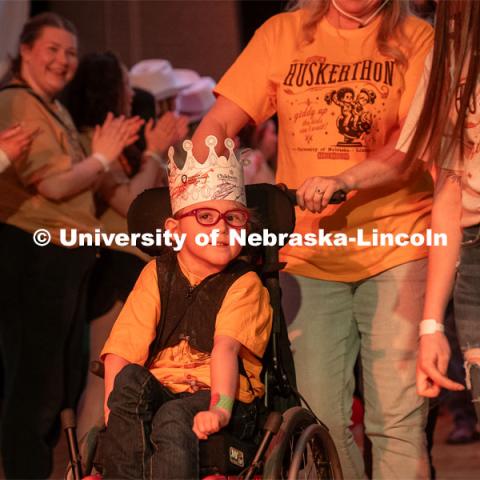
<point x="222" y="401"/>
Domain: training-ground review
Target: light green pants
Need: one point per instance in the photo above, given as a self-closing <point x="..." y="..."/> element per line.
<point x="329" y="324"/>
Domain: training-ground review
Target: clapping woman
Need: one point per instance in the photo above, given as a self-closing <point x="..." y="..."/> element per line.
<point x="42" y="286"/>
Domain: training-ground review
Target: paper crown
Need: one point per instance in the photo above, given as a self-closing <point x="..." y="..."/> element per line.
<point x="218" y="178"/>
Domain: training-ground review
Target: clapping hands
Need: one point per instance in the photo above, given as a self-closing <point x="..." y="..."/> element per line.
<point x="114" y="135"/>
<point x="168" y="130"/>
<point x="16" y="142"/>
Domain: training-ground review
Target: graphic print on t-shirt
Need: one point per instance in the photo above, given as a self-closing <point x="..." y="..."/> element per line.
<point x="354" y="120"/>
<point x="343" y="103"/>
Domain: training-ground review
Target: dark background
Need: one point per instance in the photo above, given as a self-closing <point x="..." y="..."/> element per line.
<point x="205" y="35"/>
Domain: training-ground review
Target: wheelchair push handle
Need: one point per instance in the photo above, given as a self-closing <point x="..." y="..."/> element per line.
<point x="69" y="425"/>
<point x="338" y="197"/>
<point x="270" y="429"/>
<point x="273" y="423"/>
<point x="97" y="368"/>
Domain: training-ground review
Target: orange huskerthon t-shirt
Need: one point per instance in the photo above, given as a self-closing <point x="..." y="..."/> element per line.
<point x="337" y="100"/>
<point x="245" y="315"/>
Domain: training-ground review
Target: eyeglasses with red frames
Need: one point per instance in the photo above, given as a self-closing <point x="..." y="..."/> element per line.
<point x="211" y="216"/>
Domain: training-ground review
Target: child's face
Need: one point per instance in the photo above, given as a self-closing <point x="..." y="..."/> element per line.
<point x="208" y="259"/>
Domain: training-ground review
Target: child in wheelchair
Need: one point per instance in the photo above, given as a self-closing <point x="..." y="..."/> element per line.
<point x="183" y="359"/>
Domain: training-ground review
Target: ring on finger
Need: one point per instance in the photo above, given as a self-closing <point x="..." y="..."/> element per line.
<point x="319" y="191"/>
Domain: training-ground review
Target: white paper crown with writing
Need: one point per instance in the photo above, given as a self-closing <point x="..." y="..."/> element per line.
<point x="218" y="178"/>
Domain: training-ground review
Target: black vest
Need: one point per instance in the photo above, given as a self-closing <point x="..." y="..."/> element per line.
<point x="190" y="312"/>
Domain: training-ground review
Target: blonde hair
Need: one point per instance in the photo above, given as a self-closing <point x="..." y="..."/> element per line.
<point x="391" y="28"/>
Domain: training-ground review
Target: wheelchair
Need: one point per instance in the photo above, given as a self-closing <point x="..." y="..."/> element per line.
<point x="291" y="442"/>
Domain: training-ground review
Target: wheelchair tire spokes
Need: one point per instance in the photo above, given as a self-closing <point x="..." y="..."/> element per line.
<point x="303" y="448"/>
<point x="310" y="459"/>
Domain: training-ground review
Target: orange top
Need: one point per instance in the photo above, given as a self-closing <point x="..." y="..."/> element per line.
<point x="337" y="100"/>
<point x="245" y="315"/>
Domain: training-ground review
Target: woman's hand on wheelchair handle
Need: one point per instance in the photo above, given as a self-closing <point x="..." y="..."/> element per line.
<point x="210" y="421"/>
<point x="315" y="192"/>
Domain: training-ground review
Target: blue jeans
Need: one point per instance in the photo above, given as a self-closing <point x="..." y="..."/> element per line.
<point x="459" y="403"/>
<point x="149" y="433"/>
<point x="377" y="317"/>
<point x="467" y="309"/>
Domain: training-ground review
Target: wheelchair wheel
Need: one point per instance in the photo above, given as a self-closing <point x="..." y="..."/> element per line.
<point x="302" y="449"/>
<point x="315" y="456"/>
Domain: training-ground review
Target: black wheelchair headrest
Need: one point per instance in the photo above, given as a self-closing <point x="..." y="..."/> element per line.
<point x="273" y="207"/>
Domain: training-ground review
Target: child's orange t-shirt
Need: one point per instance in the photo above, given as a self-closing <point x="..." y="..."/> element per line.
<point x="245" y="315"/>
<point x="338" y="100"/>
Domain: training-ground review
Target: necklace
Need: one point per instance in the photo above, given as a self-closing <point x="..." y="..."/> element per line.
<point x="362" y="23"/>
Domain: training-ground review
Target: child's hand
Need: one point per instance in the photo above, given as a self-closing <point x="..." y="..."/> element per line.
<point x="211" y="421"/>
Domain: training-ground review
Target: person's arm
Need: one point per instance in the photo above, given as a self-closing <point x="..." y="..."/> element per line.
<point x="224" y="120"/>
<point x="224" y="378"/>
<point x="121" y="196"/>
<point x="243" y="325"/>
<point x="108" y="142"/>
<point x="385" y="166"/>
<point x="4" y="161"/>
<point x="113" y="365"/>
<point x="168" y="130"/>
<point x="79" y="178"/>
<point x="14" y="145"/>
<point x="434" y="351"/>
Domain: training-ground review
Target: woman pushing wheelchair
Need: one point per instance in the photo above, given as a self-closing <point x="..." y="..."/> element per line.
<point x="353" y="299"/>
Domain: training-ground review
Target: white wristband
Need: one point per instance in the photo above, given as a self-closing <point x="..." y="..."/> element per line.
<point x="158" y="158"/>
<point x="430" y="326"/>
<point x="103" y="160"/>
